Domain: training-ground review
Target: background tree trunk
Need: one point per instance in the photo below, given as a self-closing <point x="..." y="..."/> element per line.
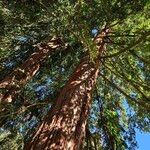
<point x="19" y="77"/>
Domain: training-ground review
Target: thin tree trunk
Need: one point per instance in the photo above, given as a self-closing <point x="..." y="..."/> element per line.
<point x="64" y="126"/>
<point x="19" y="77"/>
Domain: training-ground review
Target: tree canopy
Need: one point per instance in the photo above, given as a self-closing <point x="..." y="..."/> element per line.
<point x="120" y="99"/>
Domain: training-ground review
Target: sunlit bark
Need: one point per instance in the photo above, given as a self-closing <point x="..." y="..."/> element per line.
<point x="19" y="77"/>
<point x="64" y="126"/>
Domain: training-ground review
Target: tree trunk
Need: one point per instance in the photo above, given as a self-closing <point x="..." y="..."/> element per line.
<point x="19" y="77"/>
<point x="64" y="126"/>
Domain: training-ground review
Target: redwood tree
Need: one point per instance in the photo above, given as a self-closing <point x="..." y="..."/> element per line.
<point x="93" y="97"/>
<point x="65" y="125"/>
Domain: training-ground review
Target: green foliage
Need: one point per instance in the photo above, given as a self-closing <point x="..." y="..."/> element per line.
<point x="10" y="141"/>
<point x="121" y="99"/>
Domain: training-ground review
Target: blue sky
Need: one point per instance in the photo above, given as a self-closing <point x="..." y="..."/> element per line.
<point x="143" y="140"/>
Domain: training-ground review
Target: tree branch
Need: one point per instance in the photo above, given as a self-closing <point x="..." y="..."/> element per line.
<point x="141" y="39"/>
<point x="139" y="102"/>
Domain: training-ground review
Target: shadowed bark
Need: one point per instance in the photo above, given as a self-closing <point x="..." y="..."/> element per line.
<point x="64" y="126"/>
<point x="19" y="77"/>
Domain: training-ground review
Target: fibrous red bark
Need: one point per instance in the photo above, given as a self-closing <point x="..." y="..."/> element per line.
<point x="19" y="77"/>
<point x="64" y="126"/>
